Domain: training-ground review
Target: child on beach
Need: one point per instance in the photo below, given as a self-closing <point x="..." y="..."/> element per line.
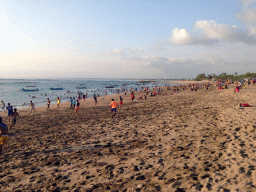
<point x="3" y="134"/>
<point x="113" y="105"/>
<point x="58" y="102"/>
<point x="48" y="104"/>
<point x="32" y="107"/>
<point x="120" y="102"/>
<point x="9" y="109"/>
<point x="77" y="106"/>
<point x="15" y="114"/>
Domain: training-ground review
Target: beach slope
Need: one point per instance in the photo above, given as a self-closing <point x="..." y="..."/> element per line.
<point x="188" y="141"/>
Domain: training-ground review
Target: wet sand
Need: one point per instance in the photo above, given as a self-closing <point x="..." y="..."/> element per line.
<point x="188" y="141"/>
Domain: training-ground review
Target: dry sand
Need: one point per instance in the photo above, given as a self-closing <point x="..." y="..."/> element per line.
<point x="188" y="141"/>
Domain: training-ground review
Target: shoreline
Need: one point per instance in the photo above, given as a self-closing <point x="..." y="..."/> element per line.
<point x="54" y="102"/>
<point x="17" y="97"/>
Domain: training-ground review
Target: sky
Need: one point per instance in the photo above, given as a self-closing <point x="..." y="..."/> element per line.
<point x="126" y="39"/>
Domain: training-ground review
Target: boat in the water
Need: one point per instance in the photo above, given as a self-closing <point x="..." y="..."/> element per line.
<point x="81" y="86"/>
<point x="56" y="88"/>
<point x="110" y="86"/>
<point x="30" y="89"/>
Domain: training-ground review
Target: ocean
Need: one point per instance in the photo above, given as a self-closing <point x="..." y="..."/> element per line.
<point x="11" y="89"/>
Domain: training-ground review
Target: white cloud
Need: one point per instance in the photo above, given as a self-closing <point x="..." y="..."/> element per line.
<point x="248" y="15"/>
<point x="180" y="37"/>
<point x="210" y="33"/>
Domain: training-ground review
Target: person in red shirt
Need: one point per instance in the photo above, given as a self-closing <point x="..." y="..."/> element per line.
<point x="113" y="105"/>
<point x="132" y="96"/>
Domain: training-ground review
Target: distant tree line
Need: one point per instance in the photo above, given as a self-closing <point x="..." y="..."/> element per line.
<point x="225" y="76"/>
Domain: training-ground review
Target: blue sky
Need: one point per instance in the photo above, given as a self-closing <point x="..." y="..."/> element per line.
<point x="130" y="39"/>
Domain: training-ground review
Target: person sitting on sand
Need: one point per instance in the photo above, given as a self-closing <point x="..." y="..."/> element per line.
<point x="32" y="107"/>
<point x="237" y="88"/>
<point x="245" y="105"/>
<point x="15" y="114"/>
<point x="48" y="104"/>
<point x="113" y="105"/>
<point x="3" y="134"/>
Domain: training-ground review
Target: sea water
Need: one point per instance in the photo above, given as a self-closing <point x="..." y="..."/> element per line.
<point x="11" y="89"/>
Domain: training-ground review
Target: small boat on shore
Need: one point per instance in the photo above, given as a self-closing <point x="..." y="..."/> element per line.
<point x="30" y="89"/>
<point x="56" y="88"/>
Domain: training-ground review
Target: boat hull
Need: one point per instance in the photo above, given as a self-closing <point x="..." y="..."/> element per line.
<point x="61" y="88"/>
<point x="81" y="87"/>
<point x="29" y="89"/>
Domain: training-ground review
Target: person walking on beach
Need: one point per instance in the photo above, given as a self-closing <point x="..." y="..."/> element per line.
<point x="2" y="105"/>
<point x="77" y="106"/>
<point x="95" y="99"/>
<point x="3" y="134"/>
<point x="48" y="104"/>
<point x="32" y="107"/>
<point x="71" y="103"/>
<point x="58" y="102"/>
<point x="74" y="103"/>
<point x="132" y="96"/>
<point x="9" y="110"/>
<point x="120" y="102"/>
<point x="113" y="105"/>
<point x="15" y="115"/>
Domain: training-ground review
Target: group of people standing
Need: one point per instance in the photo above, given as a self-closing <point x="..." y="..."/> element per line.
<point x="74" y="104"/>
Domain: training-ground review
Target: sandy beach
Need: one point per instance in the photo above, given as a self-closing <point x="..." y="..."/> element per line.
<point x="185" y="141"/>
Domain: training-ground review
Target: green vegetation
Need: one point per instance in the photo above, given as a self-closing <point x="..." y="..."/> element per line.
<point x="225" y="76"/>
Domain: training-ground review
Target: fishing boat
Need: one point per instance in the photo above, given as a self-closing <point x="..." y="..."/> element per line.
<point x="30" y="89"/>
<point x="81" y="87"/>
<point x="56" y="88"/>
